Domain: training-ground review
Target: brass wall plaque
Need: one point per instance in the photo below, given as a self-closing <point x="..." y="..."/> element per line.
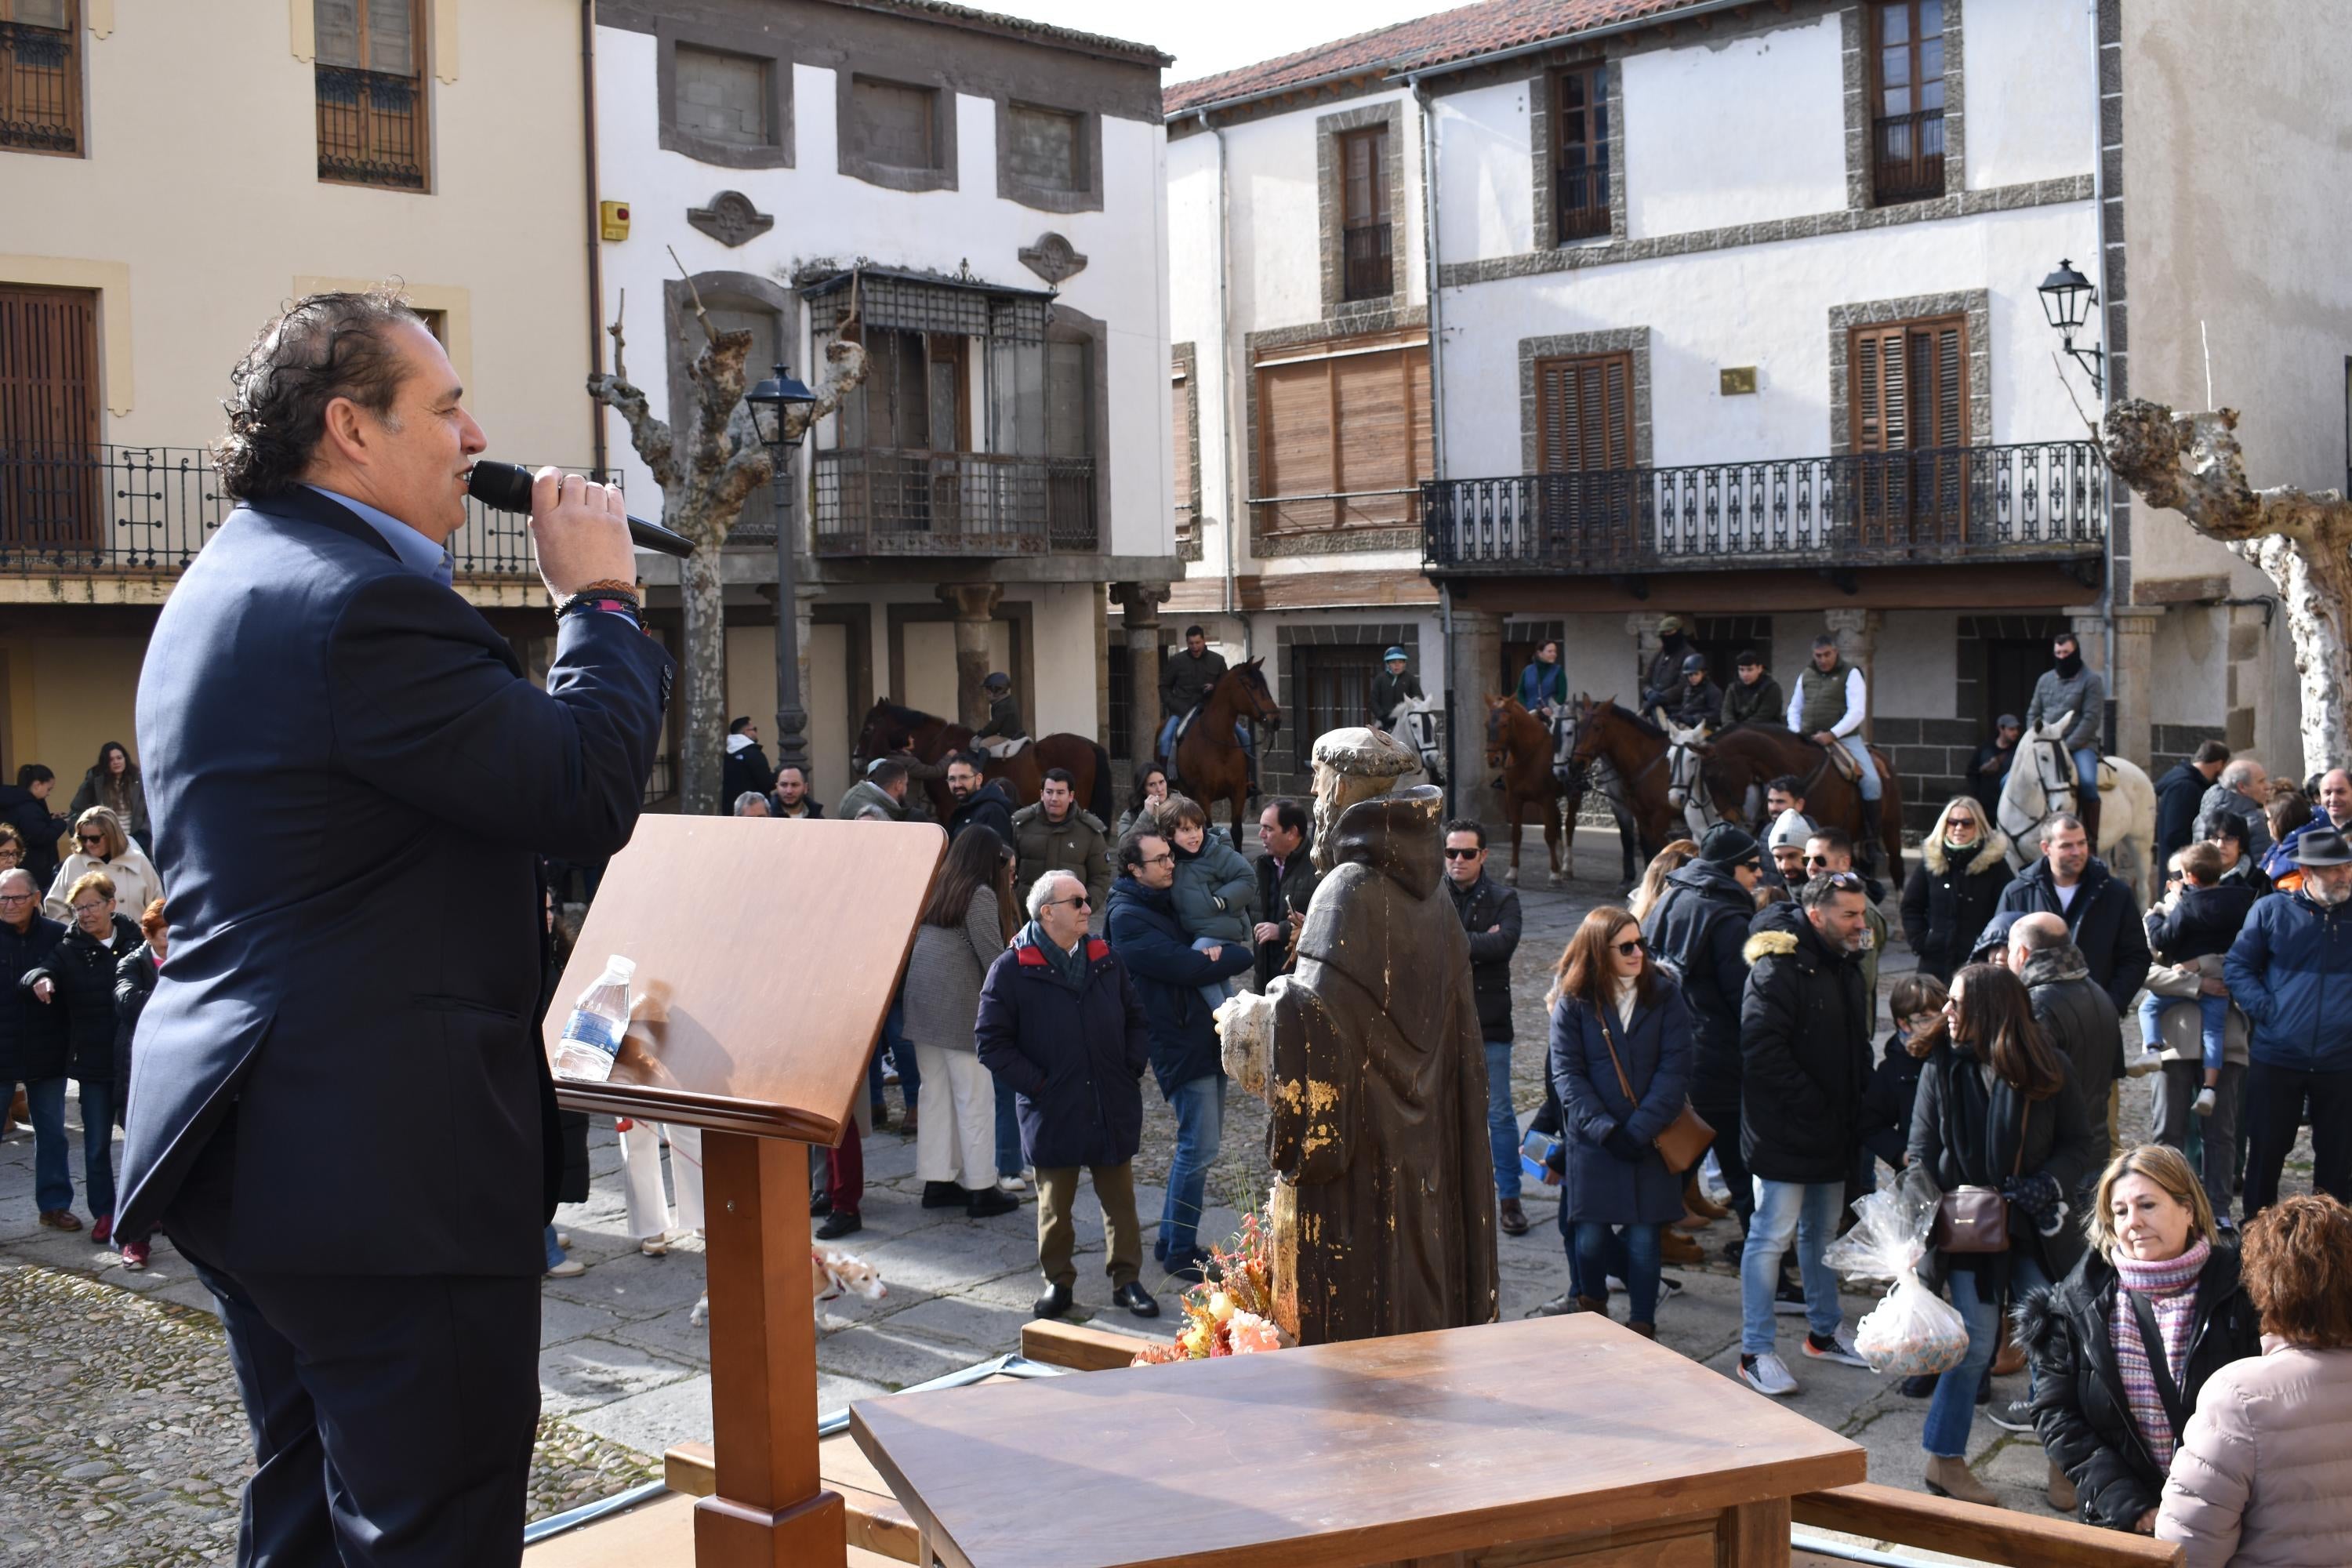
<point x="1737" y="379"/>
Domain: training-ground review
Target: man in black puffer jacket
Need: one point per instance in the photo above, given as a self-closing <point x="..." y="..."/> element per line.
<point x="2096" y="1447"/>
<point x="2075" y="1012"/>
<point x="2100" y="912"/>
<point x="979" y="804"/>
<point x="1697" y="928"/>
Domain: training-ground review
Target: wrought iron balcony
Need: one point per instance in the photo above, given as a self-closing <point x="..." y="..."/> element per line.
<point x="40" y="88"/>
<point x="2045" y="501"/>
<point x="883" y="502"/>
<point x="87" y="511"/>
<point x="1367" y="270"/>
<point x="1907" y="157"/>
<point x="1581" y="201"/>
<point x="371" y="127"/>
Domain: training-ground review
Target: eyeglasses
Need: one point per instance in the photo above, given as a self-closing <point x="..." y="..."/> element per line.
<point x="1817" y="860"/>
<point x="1844" y="881"/>
<point x="1464" y="854"/>
<point x="1081" y="901"/>
<point x="1628" y="949"/>
<point x="90" y="838"/>
<point x="15" y="897"/>
<point x="1960" y="822"/>
<point x="87" y="909"/>
<point x="1167" y="859"/>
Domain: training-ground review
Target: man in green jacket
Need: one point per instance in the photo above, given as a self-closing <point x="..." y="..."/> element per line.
<point x="1059" y="835"/>
<point x="1754" y="697"/>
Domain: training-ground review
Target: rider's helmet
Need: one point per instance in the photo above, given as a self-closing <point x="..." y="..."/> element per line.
<point x="998" y="682"/>
<point x="1394" y="654"/>
<point x="1694" y="664"/>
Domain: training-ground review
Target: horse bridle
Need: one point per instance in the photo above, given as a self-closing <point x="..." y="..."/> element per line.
<point x="2053" y="770"/>
<point x="1686" y="780"/>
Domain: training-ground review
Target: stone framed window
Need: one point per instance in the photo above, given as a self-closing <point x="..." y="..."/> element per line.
<point x="1048" y="157"/>
<point x="1904" y="101"/>
<point x="1577" y="132"/>
<point x="1953" y="405"/>
<point x="898" y="133"/>
<point x="723" y="95"/>
<point x="1359" y="180"/>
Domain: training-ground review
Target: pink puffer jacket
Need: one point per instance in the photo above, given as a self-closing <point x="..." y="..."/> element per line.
<point x="2264" y="1477"/>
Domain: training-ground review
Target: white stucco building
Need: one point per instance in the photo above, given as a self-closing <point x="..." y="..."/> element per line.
<point x="978" y="199"/>
<point x="1534" y="320"/>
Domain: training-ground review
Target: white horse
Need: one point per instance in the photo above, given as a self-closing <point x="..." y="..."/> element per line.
<point x="1414" y="722"/>
<point x="1687" y="789"/>
<point x="2041" y="784"/>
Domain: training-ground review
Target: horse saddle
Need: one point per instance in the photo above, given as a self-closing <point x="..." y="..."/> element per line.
<point x="1003" y="746"/>
<point x="1183" y="725"/>
<point x="1843" y="762"/>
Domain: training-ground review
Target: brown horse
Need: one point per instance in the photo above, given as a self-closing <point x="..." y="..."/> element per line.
<point x="1518" y="748"/>
<point x="1742" y="758"/>
<point x="891" y="730"/>
<point x="1209" y="761"/>
<point x="1635" y="750"/>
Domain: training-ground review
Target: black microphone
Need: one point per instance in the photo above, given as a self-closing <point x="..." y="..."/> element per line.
<point x="508" y="488"/>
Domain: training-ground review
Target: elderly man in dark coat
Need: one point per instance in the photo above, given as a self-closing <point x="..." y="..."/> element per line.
<point x="34" y="1049"/>
<point x="1384" y="1196"/>
<point x="1060" y="1023"/>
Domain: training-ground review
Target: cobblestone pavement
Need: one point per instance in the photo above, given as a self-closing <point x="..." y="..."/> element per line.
<point x="121" y="1439"/>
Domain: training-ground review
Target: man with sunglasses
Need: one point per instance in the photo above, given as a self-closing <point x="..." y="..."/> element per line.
<point x="1490" y="917"/>
<point x="1828" y="850"/>
<point x="34" y="1043"/>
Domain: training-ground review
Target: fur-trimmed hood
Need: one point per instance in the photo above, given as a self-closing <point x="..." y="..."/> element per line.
<point x="1991" y="850"/>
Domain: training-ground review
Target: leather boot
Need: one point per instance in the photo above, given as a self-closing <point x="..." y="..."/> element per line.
<point x="1698" y="1203"/>
<point x="2061" y="1491"/>
<point x="1870" y="846"/>
<point x="1953" y="1478"/>
<point x="1593" y="1304"/>
<point x="2008" y="1356"/>
<point x="1647" y="1330"/>
<point x="1674" y="1247"/>
<point x="2088" y="811"/>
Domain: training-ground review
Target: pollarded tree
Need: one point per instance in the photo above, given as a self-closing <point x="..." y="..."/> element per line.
<point x="706" y="473"/>
<point x="2301" y="540"/>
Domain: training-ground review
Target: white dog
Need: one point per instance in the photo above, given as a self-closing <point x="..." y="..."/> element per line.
<point x="832" y="1275"/>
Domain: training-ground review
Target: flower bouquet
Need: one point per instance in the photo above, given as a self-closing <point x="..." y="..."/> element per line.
<point x="1233" y="1313"/>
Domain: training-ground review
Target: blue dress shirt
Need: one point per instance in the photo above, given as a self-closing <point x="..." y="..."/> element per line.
<point x="416" y="553"/>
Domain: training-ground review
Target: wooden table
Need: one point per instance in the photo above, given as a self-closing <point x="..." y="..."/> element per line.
<point x="1567" y="1441"/>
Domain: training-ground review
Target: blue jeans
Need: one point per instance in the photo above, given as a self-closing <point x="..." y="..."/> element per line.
<point x="554" y="1253"/>
<point x="902" y="1056"/>
<point x="1612" y="1261"/>
<point x="1502" y="1122"/>
<point x="2214" y="1020"/>
<point x="97" y="1146"/>
<point x="1200" y="1108"/>
<point x="44" y="1102"/>
<point x="1168" y="736"/>
<point x="1630" y="1252"/>
<point x="1008" y="1128"/>
<point x="1860" y="749"/>
<point x="2086" y="779"/>
<point x="1953" y="1410"/>
<point x="1808" y="1211"/>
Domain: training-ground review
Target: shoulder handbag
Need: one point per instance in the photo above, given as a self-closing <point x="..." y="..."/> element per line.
<point x="1976" y="1219"/>
<point x="1686" y="1138"/>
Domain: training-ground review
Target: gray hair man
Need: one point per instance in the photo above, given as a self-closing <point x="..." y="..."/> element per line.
<point x="2242" y="790"/>
<point x="33" y="1037"/>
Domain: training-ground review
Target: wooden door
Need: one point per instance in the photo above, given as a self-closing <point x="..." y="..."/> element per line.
<point x="1910" y="423"/>
<point x="49" y="390"/>
<point x="1584" y="421"/>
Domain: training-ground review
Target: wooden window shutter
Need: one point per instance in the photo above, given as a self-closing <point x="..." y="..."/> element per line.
<point x="1295" y="404"/>
<point x="1350" y="431"/>
<point x="1909" y="384"/>
<point x="50" y="415"/>
<point x="1181" y="405"/>
<point x="1584" y="412"/>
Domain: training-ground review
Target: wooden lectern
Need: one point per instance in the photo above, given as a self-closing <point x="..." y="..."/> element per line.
<point x="767" y="953"/>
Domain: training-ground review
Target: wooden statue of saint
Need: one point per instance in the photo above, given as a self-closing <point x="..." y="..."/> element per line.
<point x="1374" y="1070"/>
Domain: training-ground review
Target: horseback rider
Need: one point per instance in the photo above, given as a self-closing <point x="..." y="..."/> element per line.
<point x="1186" y="678"/>
<point x="1004" y="733"/>
<point x="1828" y="709"/>
<point x="1697" y="700"/>
<point x="1391" y="687"/>
<point x="1543" y="685"/>
<point x="1754" y="697"/>
<point x="1660" y="686"/>
<point x="2066" y="687"/>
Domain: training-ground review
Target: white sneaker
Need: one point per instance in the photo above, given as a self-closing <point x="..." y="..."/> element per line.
<point x="1768" y="1373"/>
<point x="655" y="1247"/>
<point x="570" y="1268"/>
<point x="1840" y="1350"/>
<point x="1010" y="1184"/>
<point x="2146" y="1062"/>
<point x="563" y="1239"/>
<point x="2204" y="1103"/>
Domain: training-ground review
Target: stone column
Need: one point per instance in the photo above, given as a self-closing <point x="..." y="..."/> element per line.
<point x="2129" y="683"/>
<point x="1857" y="635"/>
<point x="1474" y="661"/>
<point x="1139" y="602"/>
<point x="975" y="604"/>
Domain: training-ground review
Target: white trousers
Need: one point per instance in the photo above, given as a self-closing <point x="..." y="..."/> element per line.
<point x="641" y="1177"/>
<point x="955" y="1140"/>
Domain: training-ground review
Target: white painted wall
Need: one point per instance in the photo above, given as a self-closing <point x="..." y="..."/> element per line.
<point x="1915" y="662"/>
<point x="1485" y="173"/>
<point x="1193" y="274"/>
<point x="2189" y="667"/>
<point x="1736" y="132"/>
<point x="821" y="214"/>
<point x="2032" y="91"/>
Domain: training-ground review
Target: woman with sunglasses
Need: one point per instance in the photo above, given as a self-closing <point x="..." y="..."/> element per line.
<point x="1622" y="1047"/>
<point x="1994" y="1110"/>
<point x="1955" y="887"/>
<point x="101" y="845"/>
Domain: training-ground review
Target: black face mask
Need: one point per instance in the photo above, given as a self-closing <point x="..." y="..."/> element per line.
<point x="2070" y="665"/>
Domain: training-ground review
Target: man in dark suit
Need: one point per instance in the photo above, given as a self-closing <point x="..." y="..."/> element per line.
<point x="339" y="1111"/>
<point x="1285" y="884"/>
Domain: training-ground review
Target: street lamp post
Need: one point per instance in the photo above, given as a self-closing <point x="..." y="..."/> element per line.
<point x="773" y="402"/>
<point x="2066" y="298"/>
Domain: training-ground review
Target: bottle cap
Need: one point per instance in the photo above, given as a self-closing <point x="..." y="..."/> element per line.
<point x="623" y="967"/>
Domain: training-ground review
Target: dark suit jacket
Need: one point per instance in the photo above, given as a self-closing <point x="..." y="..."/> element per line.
<point x="349" y="777"/>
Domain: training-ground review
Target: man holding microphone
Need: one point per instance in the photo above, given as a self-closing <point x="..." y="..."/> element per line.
<point x="340" y="1110"/>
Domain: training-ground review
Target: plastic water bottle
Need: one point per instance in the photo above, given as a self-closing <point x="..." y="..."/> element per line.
<point x="591" y="1036"/>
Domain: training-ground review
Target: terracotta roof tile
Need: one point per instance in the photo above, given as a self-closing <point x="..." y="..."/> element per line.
<point x="1429" y="41"/>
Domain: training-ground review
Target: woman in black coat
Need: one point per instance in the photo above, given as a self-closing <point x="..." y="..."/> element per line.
<point x="1612" y="1007"/>
<point x="1994" y="1109"/>
<point x="83" y="967"/>
<point x="2152" y="1232"/>
<point x="1955" y="887"/>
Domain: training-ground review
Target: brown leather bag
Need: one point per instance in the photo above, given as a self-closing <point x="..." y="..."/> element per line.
<point x="1686" y="1138"/>
<point x="1976" y="1219"/>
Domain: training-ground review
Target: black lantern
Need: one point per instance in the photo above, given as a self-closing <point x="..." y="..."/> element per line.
<point x="772" y="403"/>
<point x="2066" y="298"/>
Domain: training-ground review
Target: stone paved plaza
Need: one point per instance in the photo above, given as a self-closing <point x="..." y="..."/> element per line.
<point x="121" y="1439"/>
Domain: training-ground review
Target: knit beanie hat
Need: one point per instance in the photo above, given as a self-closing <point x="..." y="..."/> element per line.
<point x="1725" y="845"/>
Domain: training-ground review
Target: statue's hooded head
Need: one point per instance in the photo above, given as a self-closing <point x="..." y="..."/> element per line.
<point x="1353" y="764"/>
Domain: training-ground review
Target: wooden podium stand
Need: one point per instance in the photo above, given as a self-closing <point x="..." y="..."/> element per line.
<point x="767" y="953"/>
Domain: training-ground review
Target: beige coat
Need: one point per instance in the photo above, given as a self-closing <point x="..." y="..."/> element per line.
<point x="2184" y="1027"/>
<point x="2264" y="1477"/>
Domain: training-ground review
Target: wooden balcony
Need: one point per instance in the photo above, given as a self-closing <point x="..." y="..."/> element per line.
<point x="890" y="501"/>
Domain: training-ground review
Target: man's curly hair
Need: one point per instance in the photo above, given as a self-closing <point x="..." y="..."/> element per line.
<point x="325" y="346"/>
